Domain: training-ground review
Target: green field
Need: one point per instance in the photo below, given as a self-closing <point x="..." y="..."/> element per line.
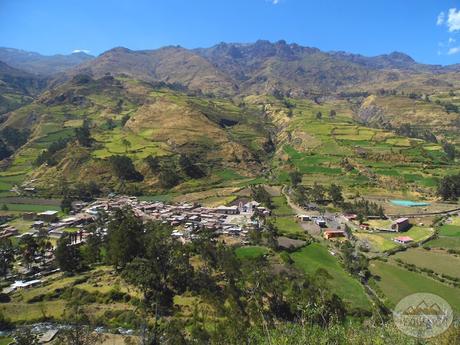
<point x="397" y="283"/>
<point x="251" y="252"/>
<point x="417" y="233"/>
<point x="316" y="256"/>
<point x="450" y="230"/>
<point x="288" y="225"/>
<point x="281" y="206"/>
<point x="438" y="261"/>
<point x="31" y="207"/>
<point x="448" y="236"/>
<point x="383" y="241"/>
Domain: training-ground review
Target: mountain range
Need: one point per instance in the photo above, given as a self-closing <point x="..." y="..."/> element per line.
<point x="231" y="106"/>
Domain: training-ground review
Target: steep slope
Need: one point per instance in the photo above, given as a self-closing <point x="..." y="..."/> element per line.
<point x="300" y="71"/>
<point x="17" y="87"/>
<point x="40" y="64"/>
<point x="137" y="120"/>
<point x="173" y="65"/>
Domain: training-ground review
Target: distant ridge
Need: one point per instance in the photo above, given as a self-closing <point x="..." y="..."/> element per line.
<point x="41" y="64"/>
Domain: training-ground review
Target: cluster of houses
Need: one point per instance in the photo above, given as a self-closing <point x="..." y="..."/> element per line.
<point x="235" y="220"/>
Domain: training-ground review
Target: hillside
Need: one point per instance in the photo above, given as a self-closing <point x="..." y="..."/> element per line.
<point x="17" y="87"/>
<point x="41" y="64"/>
<point x="224" y="115"/>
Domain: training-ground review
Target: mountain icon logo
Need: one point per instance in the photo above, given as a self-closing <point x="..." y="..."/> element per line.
<point x="423" y="315"/>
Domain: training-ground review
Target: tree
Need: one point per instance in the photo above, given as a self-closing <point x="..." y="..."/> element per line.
<point x="295" y="177"/>
<point x="14" y="137"/>
<point x="28" y="247"/>
<point x="190" y="167"/>
<point x="6" y="256"/>
<point x="124" y="119"/>
<point x="79" y="331"/>
<point x="153" y="163"/>
<point x="68" y="256"/>
<point x="162" y="271"/>
<point x="168" y="176"/>
<point x="91" y="250"/>
<point x="335" y="193"/>
<point x="66" y="204"/>
<point x="450" y="151"/>
<point x="124" y="168"/>
<point x="260" y="194"/>
<point x="125" y="238"/>
<point x="332" y="114"/>
<point x="318" y="192"/>
<point x="319" y="115"/>
<point x="110" y="124"/>
<point x="83" y="134"/>
<point x="449" y="187"/>
<point x="5" y="152"/>
<point x="126" y="143"/>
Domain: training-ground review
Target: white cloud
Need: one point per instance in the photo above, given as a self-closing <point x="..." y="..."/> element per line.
<point x="453" y="20"/>
<point x="275" y="2"/>
<point x="441" y="18"/>
<point x="451" y="40"/>
<point x="454" y="50"/>
<point x="86" y="51"/>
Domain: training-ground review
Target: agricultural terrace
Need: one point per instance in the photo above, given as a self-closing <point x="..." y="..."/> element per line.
<point x="318" y="148"/>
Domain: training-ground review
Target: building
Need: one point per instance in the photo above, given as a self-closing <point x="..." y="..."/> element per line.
<point x="320" y="222"/>
<point x="29" y="215"/>
<point x="328" y="234"/>
<point x="304" y="217"/>
<point x="350" y="217"/>
<point x="403" y="239"/>
<point x="401" y="224"/>
<point x="48" y="216"/>
<point x="227" y="210"/>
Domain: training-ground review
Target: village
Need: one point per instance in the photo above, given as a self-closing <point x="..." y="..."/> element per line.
<point x="231" y="223"/>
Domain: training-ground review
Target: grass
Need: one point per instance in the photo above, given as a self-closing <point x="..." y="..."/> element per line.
<point x="378" y="243"/>
<point x="30" y="312"/>
<point x="31" y="207"/>
<point x="21" y="224"/>
<point x="5" y="340"/>
<point x="449" y="230"/>
<point x="250" y="252"/>
<point x="315" y="256"/>
<point x="438" y="261"/>
<point x="417" y="233"/>
<point x="397" y="283"/>
<point x="445" y="242"/>
<point x="281" y="206"/>
<point x="288" y="225"/>
<point x="98" y="280"/>
<point x="383" y="241"/>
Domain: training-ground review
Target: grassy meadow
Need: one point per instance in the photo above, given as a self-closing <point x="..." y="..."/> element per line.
<point x="315" y="256"/>
<point x="397" y="283"/>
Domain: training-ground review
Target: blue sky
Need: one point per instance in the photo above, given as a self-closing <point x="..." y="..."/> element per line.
<point x="428" y="30"/>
